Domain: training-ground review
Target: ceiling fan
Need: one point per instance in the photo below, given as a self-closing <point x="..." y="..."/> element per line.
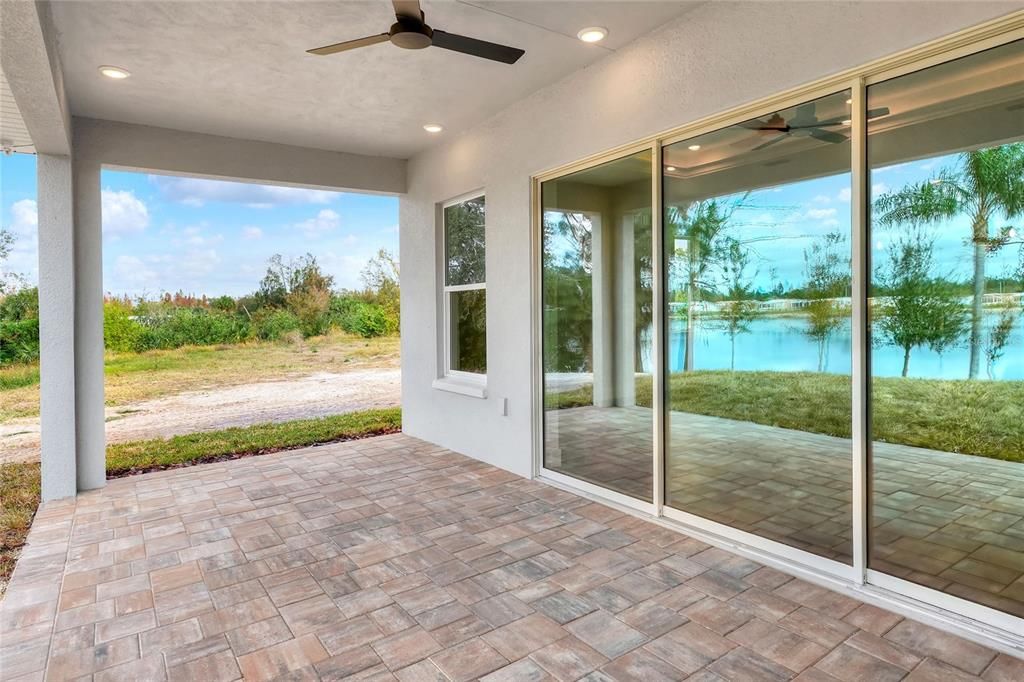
<point x="804" y="122"/>
<point x="411" y="32"/>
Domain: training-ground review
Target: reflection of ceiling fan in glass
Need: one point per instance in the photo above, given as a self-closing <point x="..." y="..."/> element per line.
<point x="804" y="123"/>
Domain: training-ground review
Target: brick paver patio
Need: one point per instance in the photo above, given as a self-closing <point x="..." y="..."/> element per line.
<point x="391" y="558"/>
<point x="948" y="521"/>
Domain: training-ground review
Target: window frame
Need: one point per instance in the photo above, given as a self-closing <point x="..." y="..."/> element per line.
<point x="458" y="381"/>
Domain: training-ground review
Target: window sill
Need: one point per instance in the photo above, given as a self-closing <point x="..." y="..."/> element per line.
<point x="467" y="387"/>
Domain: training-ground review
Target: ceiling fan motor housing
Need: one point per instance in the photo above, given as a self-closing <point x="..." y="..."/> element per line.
<point x="410" y="35"/>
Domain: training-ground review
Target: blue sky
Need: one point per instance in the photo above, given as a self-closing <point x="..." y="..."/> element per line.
<point x="165" y="233"/>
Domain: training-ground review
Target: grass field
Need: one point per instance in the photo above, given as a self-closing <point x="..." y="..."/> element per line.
<point x="131" y="377"/>
<point x="983" y="418"/>
<point x="19" y="482"/>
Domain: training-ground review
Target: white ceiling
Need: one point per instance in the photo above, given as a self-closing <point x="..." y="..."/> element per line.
<point x="240" y="68"/>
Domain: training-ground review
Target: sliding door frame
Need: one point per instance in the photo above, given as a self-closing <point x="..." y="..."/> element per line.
<point x="973" y="620"/>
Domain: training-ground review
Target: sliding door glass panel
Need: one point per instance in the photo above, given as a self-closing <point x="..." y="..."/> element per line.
<point x="947" y="336"/>
<point x="758" y="244"/>
<point x="598" y="325"/>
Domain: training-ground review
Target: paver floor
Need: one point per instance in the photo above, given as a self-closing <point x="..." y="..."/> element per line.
<point x="390" y="558"/>
<point x="948" y="521"/>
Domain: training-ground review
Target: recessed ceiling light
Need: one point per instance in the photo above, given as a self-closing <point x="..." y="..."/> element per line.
<point x="115" y="72"/>
<point x="433" y="128"/>
<point x="849" y="101"/>
<point x="592" y="34"/>
<point x="847" y="122"/>
<point x="670" y="169"/>
<point x="693" y="147"/>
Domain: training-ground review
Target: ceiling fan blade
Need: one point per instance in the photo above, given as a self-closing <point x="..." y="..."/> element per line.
<point x="763" y="125"/>
<point x="349" y="44"/>
<point x="827" y="136"/>
<point x="770" y="142"/>
<point x="477" y="48"/>
<point x="880" y="111"/>
<point x="408" y="8"/>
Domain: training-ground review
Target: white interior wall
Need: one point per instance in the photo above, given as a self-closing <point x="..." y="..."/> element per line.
<point x="717" y="56"/>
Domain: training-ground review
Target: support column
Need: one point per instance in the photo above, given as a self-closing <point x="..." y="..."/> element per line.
<point x="91" y="439"/>
<point x="55" y="200"/>
<point x="602" y="250"/>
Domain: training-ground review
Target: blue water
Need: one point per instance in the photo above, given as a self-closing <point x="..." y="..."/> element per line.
<point x="779" y="344"/>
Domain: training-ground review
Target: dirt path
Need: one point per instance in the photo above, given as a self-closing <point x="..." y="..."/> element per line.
<point x="306" y="397"/>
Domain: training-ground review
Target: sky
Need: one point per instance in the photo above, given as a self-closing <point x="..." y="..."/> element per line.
<point x="168" y="233"/>
<point x="777" y="224"/>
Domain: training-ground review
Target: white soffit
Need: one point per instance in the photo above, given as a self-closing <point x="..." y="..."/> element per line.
<point x="240" y="69"/>
<point x="13" y="133"/>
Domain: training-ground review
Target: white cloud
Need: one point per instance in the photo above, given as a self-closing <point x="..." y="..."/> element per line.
<point x="821" y="199"/>
<point x="821" y="213"/>
<point x="123" y="213"/>
<point x="198" y="262"/>
<point x="199" y="191"/>
<point x="132" y="273"/>
<point x="252" y="233"/>
<point x="879" y="188"/>
<point x="23" y="259"/>
<point x="324" y="222"/>
<point x="844" y="194"/>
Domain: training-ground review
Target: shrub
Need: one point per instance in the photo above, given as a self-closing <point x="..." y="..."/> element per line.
<point x="20" y="305"/>
<point x="121" y="332"/>
<point x="274" y="325"/>
<point x="192" y="327"/>
<point x="19" y="340"/>
<point x="367" y="320"/>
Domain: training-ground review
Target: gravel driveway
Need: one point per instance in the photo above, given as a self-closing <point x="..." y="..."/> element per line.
<point x="316" y="395"/>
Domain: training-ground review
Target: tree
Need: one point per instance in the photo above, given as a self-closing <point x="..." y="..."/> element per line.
<point x="984" y="184"/>
<point x="916" y="309"/>
<point x="465" y="242"/>
<point x="738" y="310"/>
<point x="827" y="268"/>
<point x="381" y="278"/>
<point x="300" y="287"/>
<point x="9" y="281"/>
<point x="568" y="303"/>
<point x="998" y="337"/>
<point x="702" y="227"/>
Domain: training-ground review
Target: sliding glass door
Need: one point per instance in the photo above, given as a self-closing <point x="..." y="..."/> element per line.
<point x="598" y="322"/>
<point x="757" y="238"/>
<point x="803" y="332"/>
<point x="947" y="333"/>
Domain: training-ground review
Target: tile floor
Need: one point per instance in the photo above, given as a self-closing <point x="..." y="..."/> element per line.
<point x="948" y="521"/>
<point x="391" y="558"/>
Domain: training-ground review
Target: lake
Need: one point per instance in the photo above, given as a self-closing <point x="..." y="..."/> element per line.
<point x="778" y="343"/>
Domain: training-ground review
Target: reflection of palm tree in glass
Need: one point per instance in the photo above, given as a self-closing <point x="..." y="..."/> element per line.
<point x="984" y="184"/>
<point x="701" y="225"/>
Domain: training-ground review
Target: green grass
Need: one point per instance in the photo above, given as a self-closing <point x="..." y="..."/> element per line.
<point x="983" y="418"/>
<point x="19" y="482"/>
<point x="18" y="376"/>
<point x="194" y="448"/>
<point x="19" y="497"/>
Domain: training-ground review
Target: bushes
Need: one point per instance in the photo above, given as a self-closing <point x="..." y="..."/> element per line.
<point x="19" y="326"/>
<point x="274" y="325"/>
<point x="120" y="332"/>
<point x="191" y="327"/>
<point x="357" y="316"/>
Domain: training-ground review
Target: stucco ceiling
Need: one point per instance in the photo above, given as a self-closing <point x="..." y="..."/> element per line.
<point x="240" y="68"/>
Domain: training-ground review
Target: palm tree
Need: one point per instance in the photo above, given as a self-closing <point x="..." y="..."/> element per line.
<point x="984" y="184"/>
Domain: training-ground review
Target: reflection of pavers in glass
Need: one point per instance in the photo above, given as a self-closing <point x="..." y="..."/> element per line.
<point x="951" y="522"/>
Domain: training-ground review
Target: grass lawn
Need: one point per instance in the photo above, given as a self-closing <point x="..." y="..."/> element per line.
<point x="131" y="377"/>
<point x="973" y="417"/>
<point x="19" y="482"/>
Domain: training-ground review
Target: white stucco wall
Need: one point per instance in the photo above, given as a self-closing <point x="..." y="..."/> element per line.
<point x="714" y="57"/>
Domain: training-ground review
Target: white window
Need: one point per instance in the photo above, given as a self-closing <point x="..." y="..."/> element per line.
<point x="465" y="291"/>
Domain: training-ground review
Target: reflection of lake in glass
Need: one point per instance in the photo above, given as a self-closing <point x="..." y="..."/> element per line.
<point x="778" y="343"/>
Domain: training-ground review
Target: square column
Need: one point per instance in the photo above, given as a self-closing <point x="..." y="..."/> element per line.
<point x="90" y="439"/>
<point x="55" y="200"/>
